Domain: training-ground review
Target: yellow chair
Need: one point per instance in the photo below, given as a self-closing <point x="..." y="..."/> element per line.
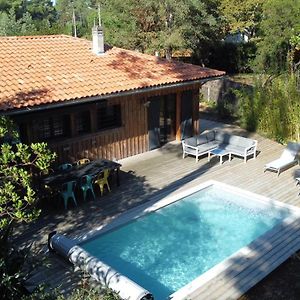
<point x="83" y="161"/>
<point x="103" y="180"/>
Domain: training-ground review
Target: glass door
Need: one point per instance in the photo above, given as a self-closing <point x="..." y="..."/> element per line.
<point x="167" y="118"/>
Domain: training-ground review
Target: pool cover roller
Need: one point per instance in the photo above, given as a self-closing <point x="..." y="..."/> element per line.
<point x="101" y="272"/>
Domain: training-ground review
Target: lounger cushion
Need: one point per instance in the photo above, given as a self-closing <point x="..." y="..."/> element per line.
<point x="293" y="147"/>
<point x="210" y="136"/>
<point x="192" y="141"/>
<point x="222" y="138"/>
<point x="243" y="142"/>
<point x="206" y="147"/>
<point x="234" y="149"/>
<point x="288" y="157"/>
<point x="278" y="163"/>
<point x="201" y="139"/>
<point x="214" y="139"/>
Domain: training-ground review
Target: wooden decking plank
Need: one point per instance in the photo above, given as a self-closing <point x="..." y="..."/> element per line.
<point x="159" y="173"/>
<point x="253" y="266"/>
<point x="279" y="258"/>
<point x="258" y="275"/>
<point x="245" y="264"/>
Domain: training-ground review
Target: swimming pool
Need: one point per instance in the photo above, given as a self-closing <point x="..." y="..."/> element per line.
<point x="180" y="240"/>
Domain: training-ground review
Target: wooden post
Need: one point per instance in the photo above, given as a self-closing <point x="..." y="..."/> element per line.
<point x="196" y="112"/>
<point x="72" y="125"/>
<point x="93" y="116"/>
<point x="178" y="116"/>
<point x="29" y="132"/>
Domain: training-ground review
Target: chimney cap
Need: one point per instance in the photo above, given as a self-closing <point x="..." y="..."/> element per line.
<point x="98" y="40"/>
<point x="97" y="28"/>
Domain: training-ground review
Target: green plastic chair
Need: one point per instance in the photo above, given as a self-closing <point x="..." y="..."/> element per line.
<point x="65" y="167"/>
<point x="67" y="192"/>
<point x="103" y="180"/>
<point x="86" y="185"/>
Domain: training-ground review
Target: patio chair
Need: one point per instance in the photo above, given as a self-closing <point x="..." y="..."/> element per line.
<point x="67" y="192"/>
<point x="65" y="167"/>
<point x="102" y="180"/>
<point x="86" y="185"/>
<point x="83" y="161"/>
<point x="288" y="157"/>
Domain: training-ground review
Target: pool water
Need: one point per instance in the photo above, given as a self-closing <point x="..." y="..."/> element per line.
<point x="166" y="249"/>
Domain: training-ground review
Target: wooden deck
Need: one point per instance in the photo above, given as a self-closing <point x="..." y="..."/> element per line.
<point x="153" y="175"/>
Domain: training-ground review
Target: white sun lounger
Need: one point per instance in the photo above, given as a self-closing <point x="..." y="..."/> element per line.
<point x="288" y="158"/>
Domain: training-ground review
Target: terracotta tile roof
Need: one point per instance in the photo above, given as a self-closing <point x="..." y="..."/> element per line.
<point x="44" y="69"/>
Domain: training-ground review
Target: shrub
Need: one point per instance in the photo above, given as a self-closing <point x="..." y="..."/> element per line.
<point x="91" y="294"/>
<point x="272" y="108"/>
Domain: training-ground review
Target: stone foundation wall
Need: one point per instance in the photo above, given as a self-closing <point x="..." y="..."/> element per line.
<point x="219" y="90"/>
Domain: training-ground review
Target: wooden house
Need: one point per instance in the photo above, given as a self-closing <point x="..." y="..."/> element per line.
<point x="87" y="100"/>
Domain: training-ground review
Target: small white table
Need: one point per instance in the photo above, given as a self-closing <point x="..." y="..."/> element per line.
<point x="219" y="152"/>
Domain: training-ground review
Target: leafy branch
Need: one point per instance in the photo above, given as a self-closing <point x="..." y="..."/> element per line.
<point x="20" y="164"/>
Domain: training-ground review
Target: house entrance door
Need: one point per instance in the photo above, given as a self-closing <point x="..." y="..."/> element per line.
<point x="161" y="120"/>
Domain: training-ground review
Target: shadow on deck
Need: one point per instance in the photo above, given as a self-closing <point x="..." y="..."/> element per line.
<point x="151" y="176"/>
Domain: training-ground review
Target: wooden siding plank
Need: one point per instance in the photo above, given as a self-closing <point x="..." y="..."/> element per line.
<point x="130" y="139"/>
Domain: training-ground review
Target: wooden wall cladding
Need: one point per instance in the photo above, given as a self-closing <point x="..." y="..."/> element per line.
<point x="129" y="139"/>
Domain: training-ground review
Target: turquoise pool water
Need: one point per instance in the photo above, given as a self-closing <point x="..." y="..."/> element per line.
<point x="164" y="250"/>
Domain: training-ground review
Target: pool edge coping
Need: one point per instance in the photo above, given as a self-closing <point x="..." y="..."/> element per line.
<point x="153" y="205"/>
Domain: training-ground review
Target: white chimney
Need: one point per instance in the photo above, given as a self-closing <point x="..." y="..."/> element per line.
<point x="98" y="40"/>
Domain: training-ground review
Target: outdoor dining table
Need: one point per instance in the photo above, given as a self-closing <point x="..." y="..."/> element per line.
<point x="92" y="169"/>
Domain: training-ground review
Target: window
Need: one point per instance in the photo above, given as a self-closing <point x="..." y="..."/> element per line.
<point x="109" y="117"/>
<point x="82" y="122"/>
<point x="53" y="127"/>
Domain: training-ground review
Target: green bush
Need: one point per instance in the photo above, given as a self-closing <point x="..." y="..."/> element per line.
<point x="272" y="108"/>
<point x="91" y="294"/>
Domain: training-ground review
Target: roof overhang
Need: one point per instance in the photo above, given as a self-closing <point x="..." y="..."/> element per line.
<point x="66" y="103"/>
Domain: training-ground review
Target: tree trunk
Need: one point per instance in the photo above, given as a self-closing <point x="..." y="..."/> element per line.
<point x="169" y="54"/>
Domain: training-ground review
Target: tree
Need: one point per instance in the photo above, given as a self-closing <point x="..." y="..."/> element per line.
<point x="41" y="10"/>
<point x="28" y="17"/>
<point x="293" y="58"/>
<point x="16" y="5"/>
<point x="175" y="25"/>
<point x="150" y="25"/>
<point x="241" y="15"/>
<point x="278" y="27"/>
<point x="78" y="12"/>
<point x="19" y="164"/>
<point x="9" y="25"/>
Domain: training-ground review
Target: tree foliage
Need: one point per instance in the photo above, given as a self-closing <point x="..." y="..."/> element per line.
<point x="146" y="25"/>
<point x="241" y="15"/>
<point x="24" y="17"/>
<point x="168" y="25"/>
<point x="176" y="25"/>
<point x="19" y="164"/>
<point x="279" y="30"/>
<point x="10" y="25"/>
